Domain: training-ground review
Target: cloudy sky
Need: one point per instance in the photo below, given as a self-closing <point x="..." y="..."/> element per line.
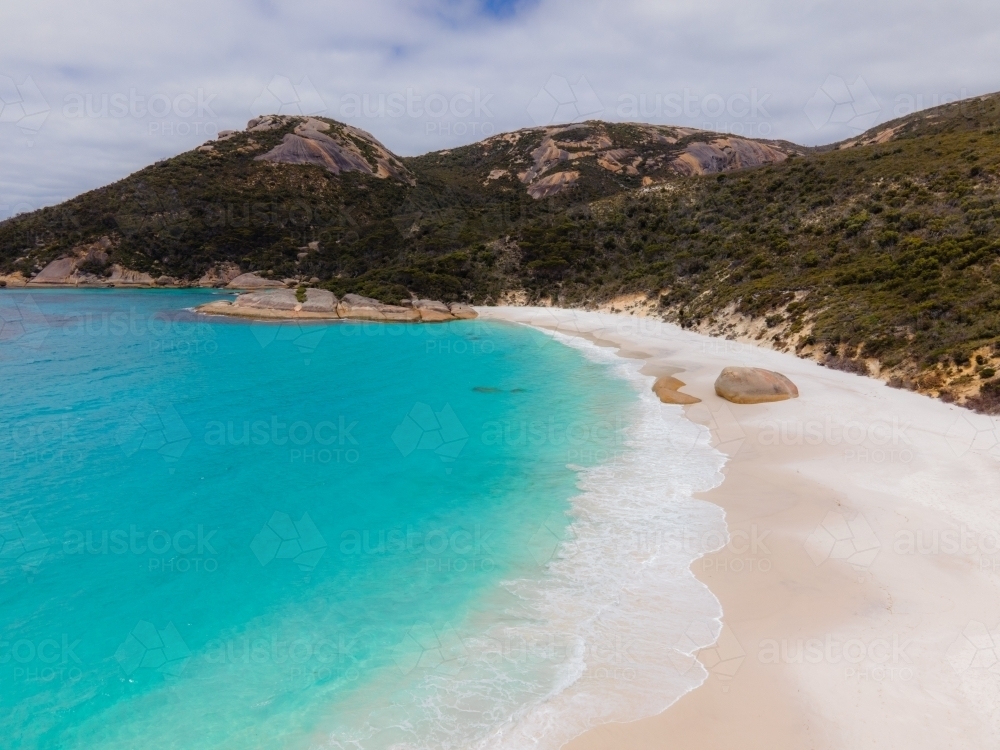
<point x="92" y="91"/>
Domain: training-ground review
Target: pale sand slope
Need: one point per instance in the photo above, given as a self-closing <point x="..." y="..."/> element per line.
<point x="916" y="505"/>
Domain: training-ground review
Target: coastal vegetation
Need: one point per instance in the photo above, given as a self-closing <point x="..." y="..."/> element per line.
<point x="880" y="255"/>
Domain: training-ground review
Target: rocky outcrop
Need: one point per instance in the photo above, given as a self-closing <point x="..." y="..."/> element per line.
<point x="320" y="301"/>
<point x="753" y="385"/>
<point x="316" y="301"/>
<point x="253" y="281"/>
<point x="618" y="159"/>
<point x="553" y="184"/>
<point x="220" y="275"/>
<point x="66" y="270"/>
<point x="431" y="311"/>
<point x="668" y="391"/>
<point x="15" y="279"/>
<point x="546" y="156"/>
<point x="337" y="149"/>
<point x="78" y="268"/>
<point x="59" y="271"/>
<point x="121" y="276"/>
<point x="356" y="307"/>
<point x="322" y="304"/>
<point x="724" y="154"/>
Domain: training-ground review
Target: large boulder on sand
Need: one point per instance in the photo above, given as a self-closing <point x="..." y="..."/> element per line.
<point x="253" y="281"/>
<point x="753" y="385"/>
<point x="356" y="307"/>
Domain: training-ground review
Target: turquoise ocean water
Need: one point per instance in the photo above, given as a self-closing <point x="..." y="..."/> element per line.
<point x="224" y="534"/>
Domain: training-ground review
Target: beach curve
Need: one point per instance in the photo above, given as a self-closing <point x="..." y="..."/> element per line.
<point x="855" y="514"/>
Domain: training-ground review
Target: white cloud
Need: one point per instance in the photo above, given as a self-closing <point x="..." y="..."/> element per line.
<point x="428" y="74"/>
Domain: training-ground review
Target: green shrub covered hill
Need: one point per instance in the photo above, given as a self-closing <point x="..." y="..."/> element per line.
<point x="880" y="255"/>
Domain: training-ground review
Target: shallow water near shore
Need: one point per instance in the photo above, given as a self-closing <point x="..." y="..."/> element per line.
<point x="228" y="534"/>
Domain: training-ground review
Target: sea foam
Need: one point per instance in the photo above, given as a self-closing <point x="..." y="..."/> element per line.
<point x="609" y="631"/>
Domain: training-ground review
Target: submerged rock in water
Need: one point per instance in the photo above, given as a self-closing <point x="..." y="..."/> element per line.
<point x="753" y="385"/>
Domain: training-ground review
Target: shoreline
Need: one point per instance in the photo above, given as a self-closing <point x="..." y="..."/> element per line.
<point x="855" y="514"/>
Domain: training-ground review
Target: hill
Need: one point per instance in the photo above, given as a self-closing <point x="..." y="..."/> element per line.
<point x="879" y="254"/>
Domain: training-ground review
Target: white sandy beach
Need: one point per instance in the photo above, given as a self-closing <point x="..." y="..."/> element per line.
<point x="861" y="583"/>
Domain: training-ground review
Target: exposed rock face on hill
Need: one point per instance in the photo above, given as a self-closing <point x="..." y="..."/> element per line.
<point x="724" y="154"/>
<point x="65" y="270"/>
<point x="552" y="184"/>
<point x="219" y="275"/>
<point x="627" y="150"/>
<point x="126" y="277"/>
<point x="87" y="265"/>
<point x="337" y="149"/>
